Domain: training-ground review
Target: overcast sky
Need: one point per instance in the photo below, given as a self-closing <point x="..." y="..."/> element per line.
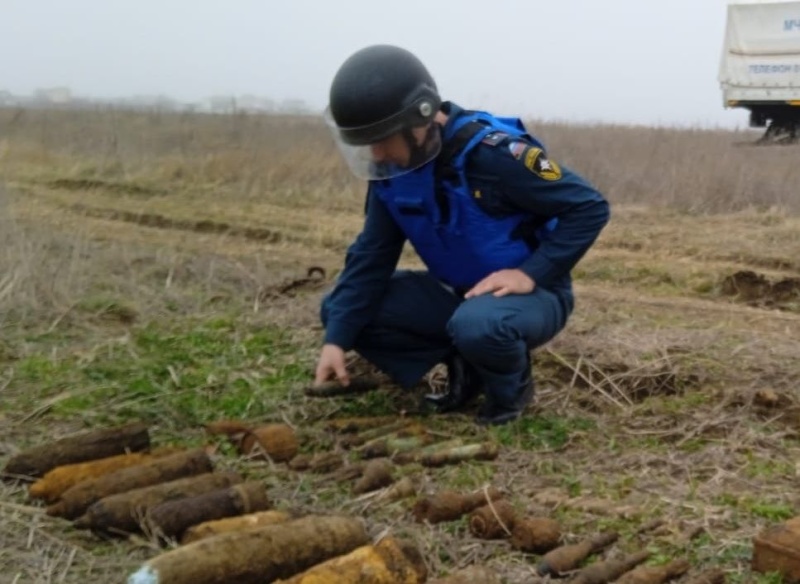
<point x="629" y="61"/>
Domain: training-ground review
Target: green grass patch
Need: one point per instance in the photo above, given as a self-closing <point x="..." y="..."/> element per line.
<point x="470" y="475"/>
<point x="531" y="432"/>
<point x="759" y="467"/>
<point x="378" y="402"/>
<point x="655" y="277"/>
<point x="188" y="374"/>
<point x="773" y="511"/>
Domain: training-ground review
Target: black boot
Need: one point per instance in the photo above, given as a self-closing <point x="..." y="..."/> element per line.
<point x="494" y="413"/>
<point x="463" y="386"/>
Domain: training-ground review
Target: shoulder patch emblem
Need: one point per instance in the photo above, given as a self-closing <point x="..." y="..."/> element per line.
<point x="494" y="138"/>
<point x="517" y="148"/>
<point x="537" y="162"/>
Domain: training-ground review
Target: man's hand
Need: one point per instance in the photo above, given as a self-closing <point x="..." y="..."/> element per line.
<point x="331" y="362"/>
<point x="502" y="283"/>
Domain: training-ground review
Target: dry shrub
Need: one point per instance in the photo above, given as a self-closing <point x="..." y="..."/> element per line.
<point x="292" y="159"/>
<point x="38" y="271"/>
<point x="51" y="277"/>
<point x="699" y="171"/>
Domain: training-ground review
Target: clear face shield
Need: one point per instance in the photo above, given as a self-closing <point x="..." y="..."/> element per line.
<point x="399" y="149"/>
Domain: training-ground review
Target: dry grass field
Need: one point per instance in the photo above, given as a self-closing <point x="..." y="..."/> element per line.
<point x="144" y="264"/>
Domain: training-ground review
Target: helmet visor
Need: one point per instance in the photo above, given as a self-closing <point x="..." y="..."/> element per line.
<point x="400" y="152"/>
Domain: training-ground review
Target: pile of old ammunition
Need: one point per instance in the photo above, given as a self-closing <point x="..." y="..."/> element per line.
<point x="224" y="528"/>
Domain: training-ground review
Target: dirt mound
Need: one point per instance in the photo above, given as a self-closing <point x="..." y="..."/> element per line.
<point x="756" y="289"/>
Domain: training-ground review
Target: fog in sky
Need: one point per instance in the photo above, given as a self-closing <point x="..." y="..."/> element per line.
<point x="628" y="61"/>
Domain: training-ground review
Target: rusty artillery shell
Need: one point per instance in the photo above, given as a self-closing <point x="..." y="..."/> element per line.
<point x="300" y="462"/>
<point x="655" y="574"/>
<point x="449" y="505"/>
<point x="482" y="451"/>
<point x="568" y="557"/>
<point x="353" y="440"/>
<point x="172" y="518"/>
<point x="325" y="462"/>
<point x="377" y="473"/>
<point x="263" y="554"/>
<point x="777" y="549"/>
<point x="36" y="461"/>
<point x="535" y="535"/>
<point x="58" y="480"/>
<point x="227" y="427"/>
<point x="322" y="463"/>
<point x="237" y="523"/>
<point x="493" y="521"/>
<point x="397" y="491"/>
<point x="76" y="500"/>
<point x="125" y="512"/>
<point x="351" y="425"/>
<point x="390" y="561"/>
<point x="276" y="441"/>
<point x="348" y="472"/>
<point x="609" y="570"/>
<point x="334" y="388"/>
<point x="392" y="445"/>
<point x="410" y="456"/>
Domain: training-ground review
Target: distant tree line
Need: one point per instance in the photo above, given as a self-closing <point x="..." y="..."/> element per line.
<point x="63" y="98"/>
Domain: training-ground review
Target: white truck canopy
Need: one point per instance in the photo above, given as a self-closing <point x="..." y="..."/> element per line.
<point x="761" y="53"/>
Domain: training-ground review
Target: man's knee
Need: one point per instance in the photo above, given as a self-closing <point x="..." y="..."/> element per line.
<point x="484" y="322"/>
<point x="474" y="325"/>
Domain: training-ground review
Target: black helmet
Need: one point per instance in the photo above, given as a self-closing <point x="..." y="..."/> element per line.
<point x="378" y="92"/>
<point x="381" y="90"/>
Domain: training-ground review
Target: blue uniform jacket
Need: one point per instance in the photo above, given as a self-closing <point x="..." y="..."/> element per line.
<point x="503" y="185"/>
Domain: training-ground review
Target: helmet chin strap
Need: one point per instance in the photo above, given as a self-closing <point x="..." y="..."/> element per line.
<point x="418" y="153"/>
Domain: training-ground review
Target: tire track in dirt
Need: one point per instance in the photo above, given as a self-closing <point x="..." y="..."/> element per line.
<point x="749" y="261"/>
<point x="85" y="184"/>
<point x="757" y="240"/>
<point x="273" y="235"/>
<point x="302" y="234"/>
<point x="205" y="226"/>
<point x="699" y="312"/>
<point x="721" y="280"/>
<point x="739" y="281"/>
<point x="648" y="244"/>
<point x="744" y="285"/>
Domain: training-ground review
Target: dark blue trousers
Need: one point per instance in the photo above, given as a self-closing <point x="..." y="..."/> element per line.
<point x="420" y="323"/>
